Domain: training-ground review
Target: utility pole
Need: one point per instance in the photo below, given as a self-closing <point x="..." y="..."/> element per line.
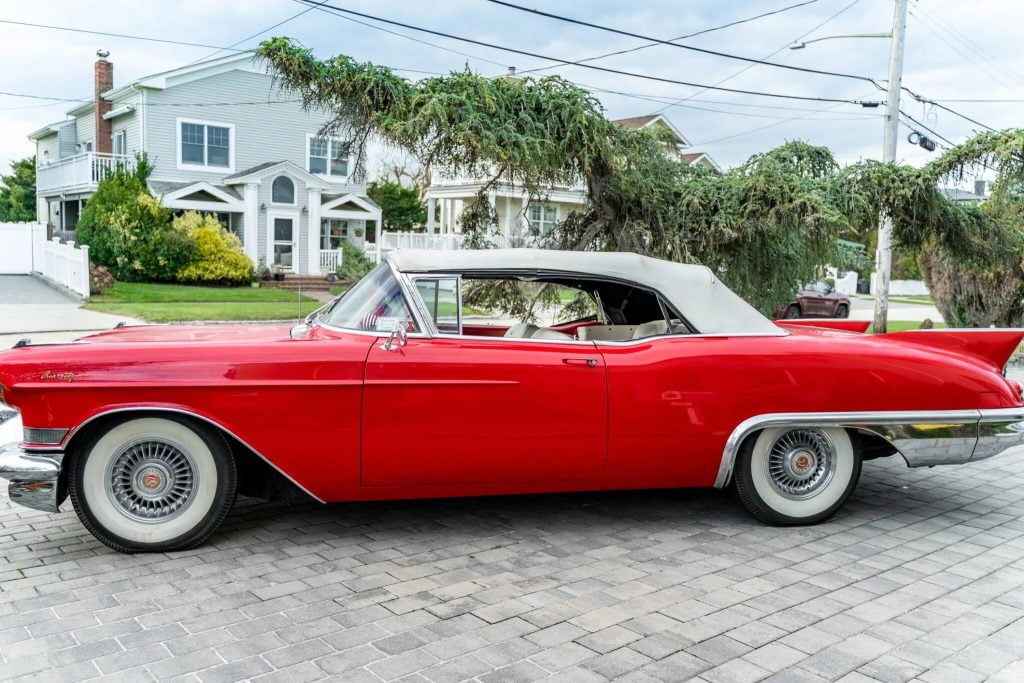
<point x="883" y="257"/>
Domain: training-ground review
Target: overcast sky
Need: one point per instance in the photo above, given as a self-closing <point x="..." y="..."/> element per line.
<point x="955" y="50"/>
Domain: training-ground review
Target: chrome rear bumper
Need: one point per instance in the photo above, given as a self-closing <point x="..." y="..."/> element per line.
<point x="34" y="476"/>
<point x="924" y="439"/>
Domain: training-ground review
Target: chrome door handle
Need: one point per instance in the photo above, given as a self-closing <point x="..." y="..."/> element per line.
<point x="592" y="362"/>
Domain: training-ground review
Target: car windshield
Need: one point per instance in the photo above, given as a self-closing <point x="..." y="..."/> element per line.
<point x="375" y="303"/>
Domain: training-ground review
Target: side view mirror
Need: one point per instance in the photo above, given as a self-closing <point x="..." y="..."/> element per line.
<point x="398" y="337"/>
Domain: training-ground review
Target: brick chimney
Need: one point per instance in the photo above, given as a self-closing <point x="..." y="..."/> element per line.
<point x="103" y="80"/>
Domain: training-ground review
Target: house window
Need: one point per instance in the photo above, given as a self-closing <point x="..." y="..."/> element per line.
<point x="332" y="233"/>
<point x="205" y="144"/>
<point x="327" y="156"/>
<point x="121" y="142"/>
<point x="283" y="190"/>
<point x="231" y="222"/>
<point x="542" y="218"/>
<point x="87" y="146"/>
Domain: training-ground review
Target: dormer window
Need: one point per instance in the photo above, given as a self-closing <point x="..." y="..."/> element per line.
<point x="326" y="156"/>
<point x="205" y="145"/>
<point x="282" y="191"/>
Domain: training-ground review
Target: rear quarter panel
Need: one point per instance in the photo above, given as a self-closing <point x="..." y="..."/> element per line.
<point x="674" y="401"/>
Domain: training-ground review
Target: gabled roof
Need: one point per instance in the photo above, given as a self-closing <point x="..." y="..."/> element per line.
<point x="269" y="168"/>
<point x="700" y="157"/>
<point x="200" y="196"/>
<point x="652" y="120"/>
<point x="243" y="61"/>
<point x="47" y="130"/>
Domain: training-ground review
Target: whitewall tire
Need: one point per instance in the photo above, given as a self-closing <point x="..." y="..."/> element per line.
<point x="153" y="483"/>
<point x="797" y="475"/>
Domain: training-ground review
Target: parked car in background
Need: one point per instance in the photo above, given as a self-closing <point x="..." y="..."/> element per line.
<point x="816" y="300"/>
<point x="656" y="376"/>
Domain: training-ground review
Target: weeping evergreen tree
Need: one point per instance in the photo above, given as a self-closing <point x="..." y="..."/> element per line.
<point x="763" y="226"/>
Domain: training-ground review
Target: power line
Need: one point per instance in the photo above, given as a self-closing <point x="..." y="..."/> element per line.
<point x="589" y="66"/>
<point x="921" y="125"/>
<point x="769" y="56"/>
<point x="657" y="41"/>
<point x="114" y="35"/>
<point x="765" y="127"/>
<point x="964" y="40"/>
<point x="324" y="7"/>
<point x="981" y="65"/>
<point x="232" y="46"/>
<point x="683" y="37"/>
<point x="922" y="98"/>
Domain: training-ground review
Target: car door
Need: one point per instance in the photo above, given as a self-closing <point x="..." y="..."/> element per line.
<point x="449" y="409"/>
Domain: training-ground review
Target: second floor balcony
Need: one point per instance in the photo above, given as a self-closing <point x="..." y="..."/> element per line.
<point x="79" y="173"/>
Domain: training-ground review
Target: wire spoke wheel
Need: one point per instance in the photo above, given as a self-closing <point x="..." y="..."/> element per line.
<point x="801" y="463"/>
<point x="797" y="474"/>
<point x="152" y="480"/>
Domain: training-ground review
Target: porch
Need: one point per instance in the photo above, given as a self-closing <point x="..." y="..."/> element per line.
<point x="79" y="173"/>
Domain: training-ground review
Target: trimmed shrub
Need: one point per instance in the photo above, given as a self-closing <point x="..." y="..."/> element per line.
<point x="129" y="232"/>
<point x="354" y="264"/>
<point x="100" y="279"/>
<point x="218" y="257"/>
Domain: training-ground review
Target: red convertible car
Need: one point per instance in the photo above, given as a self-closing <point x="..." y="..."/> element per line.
<point x="392" y="391"/>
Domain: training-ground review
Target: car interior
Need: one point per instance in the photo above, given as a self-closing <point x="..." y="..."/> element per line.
<point x="622" y="311"/>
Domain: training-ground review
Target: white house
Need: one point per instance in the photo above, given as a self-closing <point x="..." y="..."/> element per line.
<point x="518" y="218"/>
<point x="223" y="139"/>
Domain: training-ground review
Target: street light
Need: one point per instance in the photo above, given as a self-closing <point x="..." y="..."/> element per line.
<point x="801" y="44"/>
<point x="883" y="257"/>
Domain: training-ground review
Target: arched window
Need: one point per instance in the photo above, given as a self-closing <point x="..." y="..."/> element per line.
<point x="282" y="191"/>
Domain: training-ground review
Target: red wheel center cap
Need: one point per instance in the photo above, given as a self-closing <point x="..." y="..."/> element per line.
<point x="802" y="463"/>
<point x="151" y="480"/>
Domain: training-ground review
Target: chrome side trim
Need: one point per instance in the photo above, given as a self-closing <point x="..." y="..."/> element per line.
<point x="179" y="411"/>
<point x="923" y="438"/>
<point x="999" y="429"/>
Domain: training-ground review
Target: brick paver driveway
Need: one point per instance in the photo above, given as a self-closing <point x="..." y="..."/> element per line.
<point x="921" y="576"/>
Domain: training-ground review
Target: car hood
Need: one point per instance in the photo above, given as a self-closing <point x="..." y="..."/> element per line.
<point x="196" y="332"/>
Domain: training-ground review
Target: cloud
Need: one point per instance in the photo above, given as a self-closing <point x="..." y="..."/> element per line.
<point x="938" y="62"/>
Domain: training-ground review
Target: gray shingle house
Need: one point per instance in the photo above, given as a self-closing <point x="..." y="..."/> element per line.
<point x="223" y="139"/>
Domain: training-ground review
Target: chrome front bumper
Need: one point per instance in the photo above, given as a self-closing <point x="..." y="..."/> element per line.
<point x="924" y="439"/>
<point x="34" y="476"/>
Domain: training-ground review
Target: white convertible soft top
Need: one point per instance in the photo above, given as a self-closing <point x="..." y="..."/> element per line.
<point x="694" y="291"/>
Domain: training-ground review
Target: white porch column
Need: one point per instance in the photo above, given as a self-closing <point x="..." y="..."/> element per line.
<point x="431" y="206"/>
<point x="251" y="223"/>
<point x="313" y="232"/>
<point x="378" y="237"/>
<point x="42" y="210"/>
<point x="492" y="200"/>
<point x="444" y="216"/>
<point x="507" y="223"/>
<point x="524" y="220"/>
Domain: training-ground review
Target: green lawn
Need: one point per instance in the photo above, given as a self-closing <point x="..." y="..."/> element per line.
<point x="160" y="303"/>
<point x="904" y="325"/>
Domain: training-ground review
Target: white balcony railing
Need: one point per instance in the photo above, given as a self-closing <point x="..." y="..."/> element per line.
<point x="80" y="172"/>
<point x="330" y="259"/>
<point x="419" y="240"/>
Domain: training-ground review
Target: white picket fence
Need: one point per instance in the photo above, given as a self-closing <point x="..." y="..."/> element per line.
<point x="24" y="249"/>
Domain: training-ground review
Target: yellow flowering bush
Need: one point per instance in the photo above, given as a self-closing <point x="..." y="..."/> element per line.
<point x="218" y="256"/>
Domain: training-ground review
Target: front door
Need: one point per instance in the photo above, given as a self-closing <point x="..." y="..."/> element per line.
<point x="285" y="232"/>
<point x="466" y="410"/>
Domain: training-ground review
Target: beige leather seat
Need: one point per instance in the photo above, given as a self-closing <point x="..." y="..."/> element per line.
<point x="651" y="329"/>
<point x="606" y="332"/>
<point x="521" y="330"/>
<point x="545" y="333"/>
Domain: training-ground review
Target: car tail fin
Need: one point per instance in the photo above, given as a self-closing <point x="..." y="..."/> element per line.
<point x="992" y="346"/>
<point x="828" y="323"/>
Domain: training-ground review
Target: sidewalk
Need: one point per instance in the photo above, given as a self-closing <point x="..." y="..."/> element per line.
<point x="29" y="308"/>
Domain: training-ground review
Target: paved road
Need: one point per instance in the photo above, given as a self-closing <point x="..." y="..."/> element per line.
<point x="922" y="576"/>
<point x="29" y="307"/>
<point x="864" y="309"/>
